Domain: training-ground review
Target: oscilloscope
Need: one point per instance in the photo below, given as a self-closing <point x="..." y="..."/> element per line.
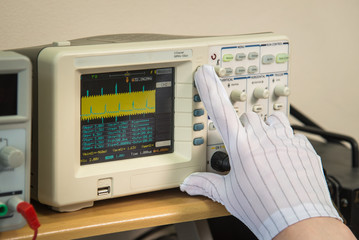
<point x="118" y="115"/>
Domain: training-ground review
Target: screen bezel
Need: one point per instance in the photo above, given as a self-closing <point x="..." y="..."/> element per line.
<point x="179" y="154"/>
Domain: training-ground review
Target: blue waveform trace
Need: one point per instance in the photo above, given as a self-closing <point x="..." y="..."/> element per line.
<point x="116" y="89"/>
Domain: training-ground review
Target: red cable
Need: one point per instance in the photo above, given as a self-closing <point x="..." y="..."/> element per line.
<point x="28" y="212"/>
<point x="35" y="235"/>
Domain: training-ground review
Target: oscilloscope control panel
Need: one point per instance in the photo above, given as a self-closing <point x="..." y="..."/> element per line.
<point x="255" y="76"/>
<point x="120" y="114"/>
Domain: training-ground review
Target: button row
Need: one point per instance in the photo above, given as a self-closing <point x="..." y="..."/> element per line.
<point x="257" y="108"/>
<point x="279" y="58"/>
<point x="238" y="70"/>
<point x="198" y="126"/>
<point x="266" y="59"/>
<point x="239" y="56"/>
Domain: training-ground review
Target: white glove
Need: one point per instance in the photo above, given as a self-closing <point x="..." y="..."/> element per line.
<point x="276" y="177"/>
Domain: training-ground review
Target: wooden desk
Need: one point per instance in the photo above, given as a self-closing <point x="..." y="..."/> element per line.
<point x="121" y="214"/>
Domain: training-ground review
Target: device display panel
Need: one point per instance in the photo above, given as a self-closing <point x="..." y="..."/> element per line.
<point x="8" y="94"/>
<point x="126" y="114"/>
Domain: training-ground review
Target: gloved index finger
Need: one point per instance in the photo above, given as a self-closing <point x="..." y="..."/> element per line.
<point x="217" y="102"/>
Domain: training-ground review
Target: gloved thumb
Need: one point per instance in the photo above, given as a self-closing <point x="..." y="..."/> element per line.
<point x="205" y="184"/>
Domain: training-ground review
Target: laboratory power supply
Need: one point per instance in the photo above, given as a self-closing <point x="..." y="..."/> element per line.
<point x="118" y="115"/>
<point x="15" y="137"/>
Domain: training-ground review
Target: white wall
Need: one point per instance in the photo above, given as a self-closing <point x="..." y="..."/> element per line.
<point x="324" y="38"/>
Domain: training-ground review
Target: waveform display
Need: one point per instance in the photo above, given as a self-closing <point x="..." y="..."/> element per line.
<point x="126" y="114"/>
<point x="118" y="105"/>
<point x="118" y="94"/>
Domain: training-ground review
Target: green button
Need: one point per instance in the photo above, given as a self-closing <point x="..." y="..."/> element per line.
<point x="227" y="57"/>
<point x="282" y="58"/>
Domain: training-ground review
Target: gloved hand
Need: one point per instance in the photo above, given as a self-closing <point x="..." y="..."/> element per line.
<point x="276" y="177"/>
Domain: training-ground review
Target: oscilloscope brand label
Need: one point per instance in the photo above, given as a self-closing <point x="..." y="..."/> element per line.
<point x="182" y="54"/>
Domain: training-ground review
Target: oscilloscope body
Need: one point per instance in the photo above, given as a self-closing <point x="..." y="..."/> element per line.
<point x="87" y="89"/>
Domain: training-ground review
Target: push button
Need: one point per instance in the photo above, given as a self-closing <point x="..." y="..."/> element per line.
<point x="252" y="55"/>
<point x="229" y="71"/>
<point x="196" y="98"/>
<point x="240" y="56"/>
<point x="198" y="112"/>
<point x="278" y="106"/>
<point x="268" y="59"/>
<point x="198" y="126"/>
<point x="282" y="58"/>
<point x="227" y="57"/>
<point x="198" y="141"/>
<point x="257" y="108"/>
<point x="252" y="69"/>
<point x="240" y="70"/>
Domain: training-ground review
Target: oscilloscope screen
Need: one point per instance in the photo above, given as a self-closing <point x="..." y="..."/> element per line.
<point x="126" y="114"/>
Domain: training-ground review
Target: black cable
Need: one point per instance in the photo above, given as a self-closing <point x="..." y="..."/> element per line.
<point x="335" y="137"/>
<point x="302" y="118"/>
<point x="151" y="231"/>
<point x="310" y="123"/>
<point x="314" y="128"/>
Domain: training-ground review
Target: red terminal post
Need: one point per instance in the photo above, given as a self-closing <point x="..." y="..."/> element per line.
<point x="27" y="211"/>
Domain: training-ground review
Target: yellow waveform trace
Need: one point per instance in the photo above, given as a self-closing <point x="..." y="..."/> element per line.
<point x="117" y="105"/>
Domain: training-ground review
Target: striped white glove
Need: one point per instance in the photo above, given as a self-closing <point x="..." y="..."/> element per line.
<point x="276" y="177"/>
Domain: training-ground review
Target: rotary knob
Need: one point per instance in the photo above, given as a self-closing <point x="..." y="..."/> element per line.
<point x="11" y="157"/>
<point x="220" y="162"/>
<point x="237" y="95"/>
<point x="221" y="72"/>
<point x="281" y="91"/>
<point x="261" y="93"/>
